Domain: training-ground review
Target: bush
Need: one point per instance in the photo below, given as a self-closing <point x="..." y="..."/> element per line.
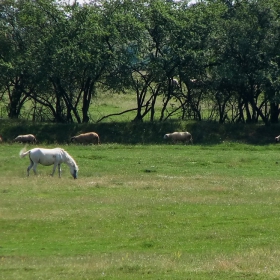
<point x="204" y="132"/>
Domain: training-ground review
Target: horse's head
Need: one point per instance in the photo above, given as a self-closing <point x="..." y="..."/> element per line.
<point x="72" y="164"/>
<point x="74" y="171"/>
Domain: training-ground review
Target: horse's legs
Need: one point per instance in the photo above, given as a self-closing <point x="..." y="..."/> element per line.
<point x="54" y="167"/>
<point x="35" y="167"/>
<point x="59" y="170"/>
<point x="29" y="167"/>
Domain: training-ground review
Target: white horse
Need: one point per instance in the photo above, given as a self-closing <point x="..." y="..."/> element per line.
<point x="54" y="156"/>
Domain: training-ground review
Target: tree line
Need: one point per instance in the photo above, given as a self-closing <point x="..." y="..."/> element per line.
<point x="58" y="56"/>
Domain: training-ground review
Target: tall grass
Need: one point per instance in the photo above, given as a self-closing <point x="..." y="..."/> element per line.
<point x="143" y="212"/>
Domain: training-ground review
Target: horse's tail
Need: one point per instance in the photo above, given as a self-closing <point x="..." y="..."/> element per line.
<point x="23" y="152"/>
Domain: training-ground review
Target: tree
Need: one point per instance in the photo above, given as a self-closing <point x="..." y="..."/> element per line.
<point x="244" y="49"/>
<point x="14" y="56"/>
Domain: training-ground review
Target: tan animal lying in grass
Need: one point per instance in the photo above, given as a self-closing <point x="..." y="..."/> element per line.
<point x="86" y="138"/>
<point x="174" y="137"/>
<point x="28" y="138"/>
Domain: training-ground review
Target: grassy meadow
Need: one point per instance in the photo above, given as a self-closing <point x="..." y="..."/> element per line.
<point x="143" y="212"/>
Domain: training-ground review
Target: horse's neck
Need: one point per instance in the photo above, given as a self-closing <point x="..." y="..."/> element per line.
<point x="68" y="160"/>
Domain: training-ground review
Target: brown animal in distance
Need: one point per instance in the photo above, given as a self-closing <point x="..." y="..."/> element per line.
<point x="27" y="138"/>
<point x="86" y="138"/>
<point x="184" y="137"/>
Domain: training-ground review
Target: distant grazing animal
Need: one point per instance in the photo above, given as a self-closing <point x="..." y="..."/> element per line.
<point x="175" y="83"/>
<point x="28" y="138"/>
<point x="184" y="137"/>
<point x="1" y="140"/>
<point x="86" y="138"/>
<point x="277" y="138"/>
<point x="48" y="157"/>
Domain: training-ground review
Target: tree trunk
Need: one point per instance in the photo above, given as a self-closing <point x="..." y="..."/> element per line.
<point x="274" y="112"/>
<point x="15" y="100"/>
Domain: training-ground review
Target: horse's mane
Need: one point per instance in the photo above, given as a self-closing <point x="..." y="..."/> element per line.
<point x="70" y="160"/>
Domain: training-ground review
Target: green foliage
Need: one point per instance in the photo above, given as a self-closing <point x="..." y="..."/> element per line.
<point x="58" y="56"/>
<point x="143" y="211"/>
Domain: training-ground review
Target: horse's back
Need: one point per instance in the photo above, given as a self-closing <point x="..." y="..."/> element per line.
<point x="47" y="151"/>
<point x="45" y="156"/>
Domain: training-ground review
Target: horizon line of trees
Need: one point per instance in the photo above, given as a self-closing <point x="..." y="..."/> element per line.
<point x="58" y="56"/>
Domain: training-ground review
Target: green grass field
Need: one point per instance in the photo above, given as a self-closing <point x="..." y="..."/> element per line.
<point x="143" y="212"/>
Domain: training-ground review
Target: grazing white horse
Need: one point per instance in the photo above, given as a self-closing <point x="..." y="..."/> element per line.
<point x="54" y="156"/>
